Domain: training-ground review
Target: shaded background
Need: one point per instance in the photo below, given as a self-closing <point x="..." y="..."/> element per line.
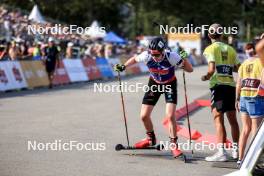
<point x="130" y="18"/>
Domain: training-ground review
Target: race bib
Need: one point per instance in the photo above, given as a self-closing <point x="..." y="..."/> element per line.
<point x="224" y="70"/>
<point x="250" y="83"/>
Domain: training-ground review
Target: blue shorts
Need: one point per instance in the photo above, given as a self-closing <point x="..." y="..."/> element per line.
<point x="253" y="106"/>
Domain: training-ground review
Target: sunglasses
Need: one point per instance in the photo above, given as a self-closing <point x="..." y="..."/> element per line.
<point x="155" y="55"/>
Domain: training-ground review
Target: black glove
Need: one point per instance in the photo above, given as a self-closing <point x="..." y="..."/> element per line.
<point x="119" y="68"/>
<point x="183" y="54"/>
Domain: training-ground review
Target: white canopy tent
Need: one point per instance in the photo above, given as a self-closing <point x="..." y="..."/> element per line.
<point x="36" y="16"/>
<point x="95" y="31"/>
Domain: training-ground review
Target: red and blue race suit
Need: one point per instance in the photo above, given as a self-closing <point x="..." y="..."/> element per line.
<point x="161" y="71"/>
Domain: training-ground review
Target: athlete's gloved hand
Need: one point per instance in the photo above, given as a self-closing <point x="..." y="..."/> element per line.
<point x="119" y="67"/>
<point x="183" y="54"/>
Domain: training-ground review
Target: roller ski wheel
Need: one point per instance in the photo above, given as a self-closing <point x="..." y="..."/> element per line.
<point x="120" y="147"/>
<point x="181" y="157"/>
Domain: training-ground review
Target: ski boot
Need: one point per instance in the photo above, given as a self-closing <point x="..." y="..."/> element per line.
<point x="147" y="142"/>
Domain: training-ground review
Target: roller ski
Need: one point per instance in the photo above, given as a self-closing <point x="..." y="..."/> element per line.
<point x="120" y="147"/>
<point x="148" y="143"/>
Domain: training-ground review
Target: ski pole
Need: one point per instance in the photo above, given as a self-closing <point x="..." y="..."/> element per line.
<point x="123" y="106"/>
<point x="187" y="108"/>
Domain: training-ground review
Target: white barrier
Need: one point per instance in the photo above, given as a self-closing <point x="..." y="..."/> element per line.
<point x="75" y="70"/>
<point x="11" y="76"/>
<point x="31" y="74"/>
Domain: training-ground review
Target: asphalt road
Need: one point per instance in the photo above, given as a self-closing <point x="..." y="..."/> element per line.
<point x="77" y="113"/>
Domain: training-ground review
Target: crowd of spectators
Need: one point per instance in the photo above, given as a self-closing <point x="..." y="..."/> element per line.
<point x="16" y="43"/>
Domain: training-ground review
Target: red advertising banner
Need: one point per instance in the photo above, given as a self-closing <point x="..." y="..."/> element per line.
<point x="3" y="76"/>
<point x="5" y="79"/>
<point x="91" y="69"/>
<point x="60" y="75"/>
